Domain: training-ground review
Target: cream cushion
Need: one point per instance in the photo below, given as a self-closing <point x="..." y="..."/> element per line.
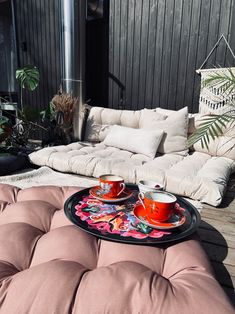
<point x="138" y="141"/>
<point x="198" y="175"/>
<point x="192" y="117"/>
<point x="223" y="145"/>
<point x="101" y="119"/>
<point x="175" y="128"/>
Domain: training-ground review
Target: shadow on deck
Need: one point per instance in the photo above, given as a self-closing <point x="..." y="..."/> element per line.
<point x="217" y="232"/>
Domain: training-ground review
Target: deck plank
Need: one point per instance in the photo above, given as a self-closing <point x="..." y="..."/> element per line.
<point x="218" y="253"/>
<point x="212" y="236"/>
<point x="217" y="233"/>
<point x="223" y="228"/>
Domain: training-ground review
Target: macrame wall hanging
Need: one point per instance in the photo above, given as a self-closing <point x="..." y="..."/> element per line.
<point x="212" y="98"/>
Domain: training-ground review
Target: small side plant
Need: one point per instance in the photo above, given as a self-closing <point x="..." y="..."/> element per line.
<point x="28" y="78"/>
<point x="26" y="121"/>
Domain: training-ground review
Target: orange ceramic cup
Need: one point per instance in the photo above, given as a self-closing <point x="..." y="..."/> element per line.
<point x="111" y="185"/>
<point x="159" y="205"/>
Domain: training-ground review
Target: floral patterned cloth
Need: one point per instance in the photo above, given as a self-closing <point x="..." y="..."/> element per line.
<point x="115" y="218"/>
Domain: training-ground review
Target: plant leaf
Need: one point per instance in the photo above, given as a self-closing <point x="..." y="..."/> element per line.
<point x="28" y="77"/>
<point x="225" y="80"/>
<point x="210" y="128"/>
<point x="4" y="120"/>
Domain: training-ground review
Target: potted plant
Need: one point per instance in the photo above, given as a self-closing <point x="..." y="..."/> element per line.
<point x="59" y="118"/>
<point x="13" y="154"/>
<point x="10" y="158"/>
<point x="26" y="121"/>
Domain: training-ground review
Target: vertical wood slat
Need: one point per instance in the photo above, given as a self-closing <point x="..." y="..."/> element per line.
<point x="136" y="53"/>
<point x="214" y="25"/>
<point x="129" y="53"/>
<point x="231" y="35"/>
<point x="166" y="41"/>
<point x="167" y="47"/>
<point x="153" y="11"/>
<point x="111" y="50"/>
<point x="175" y="54"/>
<point x="183" y="55"/>
<point x="123" y="50"/>
<point x="223" y="29"/>
<point x="157" y="79"/>
<point x="144" y="52"/>
<point x="116" y="56"/>
<point x="192" y="80"/>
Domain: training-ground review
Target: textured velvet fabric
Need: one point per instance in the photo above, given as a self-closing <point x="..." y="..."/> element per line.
<point x="48" y="265"/>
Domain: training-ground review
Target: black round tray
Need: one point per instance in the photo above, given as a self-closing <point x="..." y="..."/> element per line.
<point x="88" y="213"/>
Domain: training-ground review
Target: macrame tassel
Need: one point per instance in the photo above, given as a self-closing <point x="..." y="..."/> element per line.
<point x="212" y="99"/>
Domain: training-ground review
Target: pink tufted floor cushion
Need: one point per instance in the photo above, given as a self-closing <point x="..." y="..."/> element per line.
<point x="48" y="265"/>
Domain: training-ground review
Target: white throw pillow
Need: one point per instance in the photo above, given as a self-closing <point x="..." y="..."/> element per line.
<point x="138" y="141"/>
<point x="175" y="128"/>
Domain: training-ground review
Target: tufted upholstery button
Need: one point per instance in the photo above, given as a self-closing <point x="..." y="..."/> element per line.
<point x="67" y="243"/>
<point x="18" y="241"/>
<point x="48" y="265"/>
<point x="119" y="252"/>
<point x="46" y="288"/>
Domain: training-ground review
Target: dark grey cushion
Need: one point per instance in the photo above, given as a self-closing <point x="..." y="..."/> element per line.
<point x="12" y="163"/>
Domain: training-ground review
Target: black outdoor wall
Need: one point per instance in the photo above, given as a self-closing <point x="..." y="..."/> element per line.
<point x="156" y="46"/>
<point x="38" y="37"/>
<point x="38" y="27"/>
<point x="143" y="54"/>
<point x="7" y="52"/>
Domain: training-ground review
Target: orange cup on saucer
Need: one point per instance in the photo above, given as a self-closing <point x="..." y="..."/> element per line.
<point x="159" y="205"/>
<point x="111" y="185"/>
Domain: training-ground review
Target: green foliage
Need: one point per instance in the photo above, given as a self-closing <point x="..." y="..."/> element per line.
<point x="4" y="121"/>
<point x="26" y="122"/>
<point x="215" y="125"/>
<point x="28" y="77"/>
<point x="224" y="79"/>
<point x="210" y="128"/>
<point x="48" y="114"/>
<point x="5" y="128"/>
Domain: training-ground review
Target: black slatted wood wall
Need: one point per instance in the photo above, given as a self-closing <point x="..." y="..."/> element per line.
<point x="155" y="46"/>
<point x="38" y="26"/>
<point x="38" y="36"/>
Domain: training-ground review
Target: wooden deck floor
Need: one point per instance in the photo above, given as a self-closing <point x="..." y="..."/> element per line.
<point x="217" y="232"/>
